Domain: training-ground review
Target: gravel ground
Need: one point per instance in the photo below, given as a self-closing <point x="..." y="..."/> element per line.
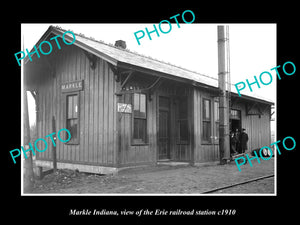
<point x="162" y="180"/>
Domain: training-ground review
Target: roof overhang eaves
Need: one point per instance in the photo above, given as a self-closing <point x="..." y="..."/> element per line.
<point x="128" y="66"/>
<point x="76" y="43"/>
<point x="246" y="97"/>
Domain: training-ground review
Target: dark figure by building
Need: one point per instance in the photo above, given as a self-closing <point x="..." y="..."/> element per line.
<point x="233" y="142"/>
<point x="237" y="136"/>
<point x="244" y="139"/>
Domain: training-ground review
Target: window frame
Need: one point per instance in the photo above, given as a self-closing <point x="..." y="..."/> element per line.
<point x="237" y="115"/>
<point x="216" y="120"/>
<point x="206" y="120"/>
<point x="67" y="94"/>
<point x="135" y="141"/>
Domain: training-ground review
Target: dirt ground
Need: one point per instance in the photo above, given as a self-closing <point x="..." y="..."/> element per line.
<point x="162" y="180"/>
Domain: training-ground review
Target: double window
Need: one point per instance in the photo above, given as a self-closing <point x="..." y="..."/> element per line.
<point x="210" y="121"/>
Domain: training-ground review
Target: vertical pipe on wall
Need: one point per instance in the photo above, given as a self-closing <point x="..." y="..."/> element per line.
<point x="223" y="100"/>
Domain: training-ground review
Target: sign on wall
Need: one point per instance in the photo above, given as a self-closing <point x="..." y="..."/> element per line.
<point x="124" y="108"/>
<point x="72" y="86"/>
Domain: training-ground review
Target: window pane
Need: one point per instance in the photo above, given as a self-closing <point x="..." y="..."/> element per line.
<point x="69" y="108"/>
<point x="216" y="111"/>
<point x="139" y="105"/>
<point x="72" y="106"/>
<point x="139" y="117"/>
<point x="235" y="114"/>
<point x="143" y="105"/>
<point x="142" y="130"/>
<point x="206" y="109"/>
<point x="136" y="102"/>
<point x="135" y="129"/>
<point x="206" y="131"/>
<point x="139" y="130"/>
<point x="72" y="126"/>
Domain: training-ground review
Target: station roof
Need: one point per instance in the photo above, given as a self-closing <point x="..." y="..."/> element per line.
<point x="127" y="59"/>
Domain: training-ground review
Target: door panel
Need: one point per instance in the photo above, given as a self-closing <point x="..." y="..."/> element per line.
<point x="164" y="129"/>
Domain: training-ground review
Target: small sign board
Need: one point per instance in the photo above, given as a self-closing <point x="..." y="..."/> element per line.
<point x="124" y="108"/>
<point x="72" y="86"/>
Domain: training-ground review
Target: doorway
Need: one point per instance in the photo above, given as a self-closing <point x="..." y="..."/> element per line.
<point x="164" y="129"/>
<point x="235" y="120"/>
<point x="235" y="124"/>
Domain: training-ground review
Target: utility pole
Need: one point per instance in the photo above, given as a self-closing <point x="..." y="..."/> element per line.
<point x="224" y="147"/>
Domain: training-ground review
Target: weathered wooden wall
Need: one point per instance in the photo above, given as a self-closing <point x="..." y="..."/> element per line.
<point x="97" y="144"/>
<point x="136" y="154"/>
<point x="105" y="134"/>
<point x="203" y="152"/>
<point x="257" y="127"/>
<point x="174" y="90"/>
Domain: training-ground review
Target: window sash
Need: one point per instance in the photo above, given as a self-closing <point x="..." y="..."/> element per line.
<point x="139" y="117"/>
<point x="72" y="126"/>
<point x="235" y="114"/>
<point x="206" y="109"/>
<point x="72" y="117"/>
<point x="206" y="121"/>
<point x="139" y="130"/>
<point x="139" y="105"/>
<point x="206" y="131"/>
<point x="72" y="106"/>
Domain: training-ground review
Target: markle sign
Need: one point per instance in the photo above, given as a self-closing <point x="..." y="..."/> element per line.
<point x="72" y="86"/>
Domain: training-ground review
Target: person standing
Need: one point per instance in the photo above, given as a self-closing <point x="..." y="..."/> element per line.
<point x="243" y="140"/>
<point x="232" y="143"/>
<point x="237" y="137"/>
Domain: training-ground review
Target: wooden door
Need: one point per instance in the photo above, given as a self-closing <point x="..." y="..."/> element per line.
<point x="164" y="129"/>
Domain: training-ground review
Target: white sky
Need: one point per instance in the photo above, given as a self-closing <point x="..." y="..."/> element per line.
<point x="192" y="46"/>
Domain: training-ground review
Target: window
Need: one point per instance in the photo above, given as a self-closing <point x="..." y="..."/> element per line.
<point x="216" y="118"/>
<point x="139" y="119"/>
<point x="73" y="117"/>
<point x="182" y="122"/>
<point x="206" y="119"/>
<point x="235" y="114"/>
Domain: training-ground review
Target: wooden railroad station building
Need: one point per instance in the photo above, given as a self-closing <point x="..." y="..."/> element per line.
<point x="126" y="110"/>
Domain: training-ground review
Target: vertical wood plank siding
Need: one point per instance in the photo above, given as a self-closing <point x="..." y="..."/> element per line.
<point x="137" y="154"/>
<point x="202" y="152"/>
<point x="257" y="128"/>
<point x="97" y="104"/>
<point x="104" y="131"/>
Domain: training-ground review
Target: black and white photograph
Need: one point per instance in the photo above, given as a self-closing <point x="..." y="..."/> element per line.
<point x="170" y="115"/>
<point x="144" y="109"/>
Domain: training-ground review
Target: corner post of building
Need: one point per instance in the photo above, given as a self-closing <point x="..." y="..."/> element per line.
<point x="118" y="97"/>
<point x="28" y="164"/>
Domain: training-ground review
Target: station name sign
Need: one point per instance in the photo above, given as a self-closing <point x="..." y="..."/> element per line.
<point x="72" y="86"/>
